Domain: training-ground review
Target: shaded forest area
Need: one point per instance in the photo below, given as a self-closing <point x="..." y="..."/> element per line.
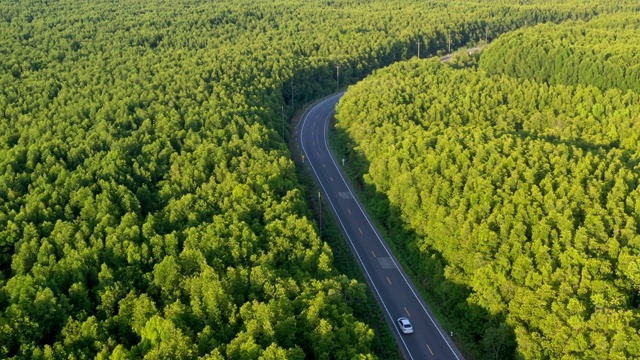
<point x="525" y="192"/>
<point x="602" y="52"/>
<point x="149" y="206"/>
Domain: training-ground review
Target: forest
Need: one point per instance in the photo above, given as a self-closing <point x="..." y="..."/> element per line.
<point x="602" y="52"/>
<point x="149" y="206"/>
<point x="519" y="183"/>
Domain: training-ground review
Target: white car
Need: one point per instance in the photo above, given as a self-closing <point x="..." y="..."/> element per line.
<point x="405" y="325"/>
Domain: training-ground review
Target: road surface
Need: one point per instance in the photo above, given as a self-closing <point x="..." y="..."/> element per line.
<point x="394" y="291"/>
<point x="470" y="51"/>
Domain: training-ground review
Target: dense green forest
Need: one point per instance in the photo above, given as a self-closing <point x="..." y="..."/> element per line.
<point x="603" y="53"/>
<point x="149" y="206"/>
<point x="526" y="193"/>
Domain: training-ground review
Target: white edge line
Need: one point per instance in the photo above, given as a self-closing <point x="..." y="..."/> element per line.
<point x="382" y="243"/>
<point x="303" y="121"/>
<point x="311" y="107"/>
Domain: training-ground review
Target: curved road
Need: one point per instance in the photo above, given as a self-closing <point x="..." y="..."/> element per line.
<point x="394" y="291"/>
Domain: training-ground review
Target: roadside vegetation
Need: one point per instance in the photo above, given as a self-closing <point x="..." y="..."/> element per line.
<point x="149" y="206"/>
<point x="515" y="182"/>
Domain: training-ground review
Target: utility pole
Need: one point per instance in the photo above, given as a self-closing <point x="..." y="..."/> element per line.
<point x="338" y="75"/>
<point x="486" y="34"/>
<point x="418" y="49"/>
<point x="320" y="207"/>
<point x="293" y="107"/>
<point x="449" y="37"/>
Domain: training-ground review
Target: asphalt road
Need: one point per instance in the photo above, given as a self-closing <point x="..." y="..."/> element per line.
<point x="395" y="293"/>
<point x="470" y="51"/>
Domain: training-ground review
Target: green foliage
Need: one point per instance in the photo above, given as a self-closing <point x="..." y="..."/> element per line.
<point x="148" y="204"/>
<point x="526" y="191"/>
<point x="601" y="52"/>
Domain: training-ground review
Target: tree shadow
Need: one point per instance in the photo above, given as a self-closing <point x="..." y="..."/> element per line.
<point x="586" y="146"/>
<point x="477" y="333"/>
